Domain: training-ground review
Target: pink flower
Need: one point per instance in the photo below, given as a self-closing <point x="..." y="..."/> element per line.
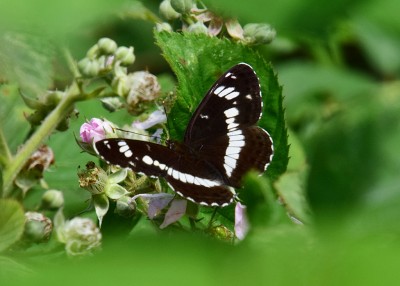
<point x="174" y="213"/>
<point x="95" y="130"/>
<point x="241" y="222"/>
<point x="156" y="202"/>
<point x="159" y="201"/>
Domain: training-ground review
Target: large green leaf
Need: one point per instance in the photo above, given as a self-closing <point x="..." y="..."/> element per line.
<point x="12" y="220"/>
<point x="198" y="60"/>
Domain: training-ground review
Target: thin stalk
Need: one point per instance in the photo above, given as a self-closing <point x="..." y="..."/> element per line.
<point x="42" y="133"/>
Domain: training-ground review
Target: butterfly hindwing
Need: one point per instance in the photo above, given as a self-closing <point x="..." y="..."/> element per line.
<point x="189" y="176"/>
<point x="238" y="152"/>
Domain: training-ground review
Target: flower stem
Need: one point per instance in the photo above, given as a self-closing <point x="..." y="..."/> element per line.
<point x="48" y="125"/>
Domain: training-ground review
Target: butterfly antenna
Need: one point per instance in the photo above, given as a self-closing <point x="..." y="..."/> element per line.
<point x="167" y="125"/>
<point x="132" y="132"/>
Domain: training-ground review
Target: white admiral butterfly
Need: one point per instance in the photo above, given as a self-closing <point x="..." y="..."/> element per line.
<point x="221" y="143"/>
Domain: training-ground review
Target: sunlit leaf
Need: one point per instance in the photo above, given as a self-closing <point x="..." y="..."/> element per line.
<point x="12" y="220"/>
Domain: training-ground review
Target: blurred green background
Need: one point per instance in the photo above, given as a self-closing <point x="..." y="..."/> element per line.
<point x="339" y="65"/>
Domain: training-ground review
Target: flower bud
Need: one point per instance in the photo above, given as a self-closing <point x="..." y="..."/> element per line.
<point x="107" y="46"/>
<point x="258" y="33"/>
<point x="93" y="52"/>
<point x="121" y="85"/>
<point x="125" y="207"/>
<point x="37" y="227"/>
<point x="163" y="27"/>
<point x="95" y="130"/>
<point x="198" y="28"/>
<point x="80" y="235"/>
<point x="167" y="11"/>
<point x="89" y="67"/>
<point x="52" y="199"/>
<point x="125" y="56"/>
<point x="182" y="6"/>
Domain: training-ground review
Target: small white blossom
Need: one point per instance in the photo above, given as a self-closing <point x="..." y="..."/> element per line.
<point x="80" y="236"/>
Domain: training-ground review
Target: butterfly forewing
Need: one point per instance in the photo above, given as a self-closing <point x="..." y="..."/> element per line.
<point x="234" y="101"/>
<point x="143" y="157"/>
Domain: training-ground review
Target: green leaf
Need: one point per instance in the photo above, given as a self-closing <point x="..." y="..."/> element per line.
<point x="12" y="110"/>
<point x="290" y="187"/>
<point x="101" y="205"/>
<point x="198" y="61"/>
<point x="26" y="60"/>
<point x="12" y="220"/>
<point x="375" y="38"/>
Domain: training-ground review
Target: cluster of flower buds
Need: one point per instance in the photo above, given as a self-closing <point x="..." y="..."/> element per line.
<point x="202" y="21"/>
<point x="104" y="57"/>
<point x="135" y="90"/>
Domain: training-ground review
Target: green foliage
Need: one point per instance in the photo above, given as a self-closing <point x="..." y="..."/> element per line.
<point x="12" y="220"/>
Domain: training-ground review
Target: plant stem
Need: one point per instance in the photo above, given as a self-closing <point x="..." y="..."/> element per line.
<point x="45" y="129"/>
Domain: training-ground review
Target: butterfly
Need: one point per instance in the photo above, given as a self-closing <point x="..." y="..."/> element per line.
<point x="221" y="143"/>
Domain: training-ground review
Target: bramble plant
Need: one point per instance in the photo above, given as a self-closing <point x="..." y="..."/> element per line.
<point x="198" y="45"/>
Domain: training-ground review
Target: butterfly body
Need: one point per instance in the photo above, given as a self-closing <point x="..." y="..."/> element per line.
<point x="220" y="145"/>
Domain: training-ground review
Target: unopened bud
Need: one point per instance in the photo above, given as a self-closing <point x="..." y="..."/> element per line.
<point x="161" y="27"/>
<point x="89" y="67"/>
<point x="258" y="33"/>
<point x="107" y="46"/>
<point x="37" y="227"/>
<point x="52" y="199"/>
<point x="125" y="55"/>
<point x="167" y="11"/>
<point x="125" y="207"/>
<point x="182" y="6"/>
<point x="198" y="28"/>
